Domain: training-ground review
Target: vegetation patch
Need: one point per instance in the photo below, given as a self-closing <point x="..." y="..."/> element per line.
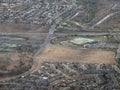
<point x="81" y="40"/>
<point x="91" y="8"/>
<point x="70" y="23"/>
<point x="14" y="63"/>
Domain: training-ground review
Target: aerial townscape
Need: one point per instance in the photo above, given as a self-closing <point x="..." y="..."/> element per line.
<point x="59" y="44"/>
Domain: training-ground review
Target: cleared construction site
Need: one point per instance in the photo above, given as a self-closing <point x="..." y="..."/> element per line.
<point x="59" y="45"/>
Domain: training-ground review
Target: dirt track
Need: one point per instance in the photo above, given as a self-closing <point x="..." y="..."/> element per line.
<point x="62" y="54"/>
<point x="56" y="54"/>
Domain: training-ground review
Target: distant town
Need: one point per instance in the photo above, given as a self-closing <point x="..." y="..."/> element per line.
<point x="59" y="45"/>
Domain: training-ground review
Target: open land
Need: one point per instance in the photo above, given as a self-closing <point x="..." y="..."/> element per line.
<point x="59" y="45"/>
<point x="60" y="54"/>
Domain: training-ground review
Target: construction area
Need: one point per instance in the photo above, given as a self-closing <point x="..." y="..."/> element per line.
<point x="59" y="45"/>
<point x="60" y="54"/>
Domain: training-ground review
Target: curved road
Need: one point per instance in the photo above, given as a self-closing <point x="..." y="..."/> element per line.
<point x="106" y="15"/>
<point x="36" y="60"/>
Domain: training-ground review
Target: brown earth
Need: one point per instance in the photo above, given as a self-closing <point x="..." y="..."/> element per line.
<point x="60" y="54"/>
<point x="113" y="22"/>
<point x="12" y="61"/>
<point x="14" y="28"/>
<point x="102" y="7"/>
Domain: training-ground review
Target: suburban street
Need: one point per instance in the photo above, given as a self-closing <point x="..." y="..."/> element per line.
<point x="59" y="44"/>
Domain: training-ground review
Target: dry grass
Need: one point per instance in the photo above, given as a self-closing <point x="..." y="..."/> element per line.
<point x="114" y="22"/>
<point x="12" y="61"/>
<point x="60" y="54"/>
<point x="14" y="28"/>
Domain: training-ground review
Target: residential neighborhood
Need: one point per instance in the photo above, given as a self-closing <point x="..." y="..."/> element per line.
<point x="59" y="45"/>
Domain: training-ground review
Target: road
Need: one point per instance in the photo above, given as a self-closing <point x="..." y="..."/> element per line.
<point x="106" y="15"/>
<point x="36" y="61"/>
<point x="105" y="18"/>
<point x="51" y="33"/>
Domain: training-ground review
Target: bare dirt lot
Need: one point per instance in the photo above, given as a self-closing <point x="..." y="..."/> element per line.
<point x="10" y="62"/>
<point x="60" y="54"/>
<point x="13" y="28"/>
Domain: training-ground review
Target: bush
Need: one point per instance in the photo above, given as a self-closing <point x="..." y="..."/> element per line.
<point x="118" y="60"/>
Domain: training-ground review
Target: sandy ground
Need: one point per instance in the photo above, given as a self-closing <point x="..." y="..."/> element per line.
<point x="11" y="61"/>
<point x="60" y="54"/>
<point x="14" y="28"/>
